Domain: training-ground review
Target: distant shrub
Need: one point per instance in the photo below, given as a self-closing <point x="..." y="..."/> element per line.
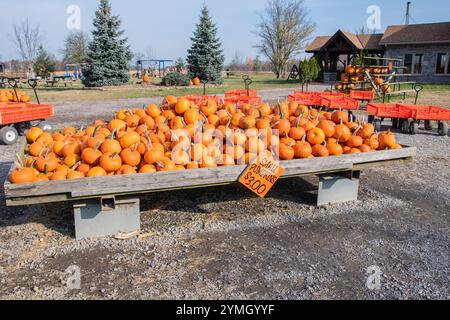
<point x="175" y="79"/>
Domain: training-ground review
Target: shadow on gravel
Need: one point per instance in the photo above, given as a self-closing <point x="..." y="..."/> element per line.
<point x="55" y="216"/>
<point x="294" y="189"/>
<point x="59" y="216"/>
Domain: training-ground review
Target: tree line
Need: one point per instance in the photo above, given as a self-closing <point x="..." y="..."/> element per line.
<point x="283" y="29"/>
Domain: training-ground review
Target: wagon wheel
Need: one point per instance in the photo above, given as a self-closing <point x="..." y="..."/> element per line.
<point x="405" y="125"/>
<point x="45" y="126"/>
<point x="395" y="123"/>
<point x="370" y="118"/>
<point x="351" y="116"/>
<point x="377" y="124"/>
<point x="428" y="125"/>
<point x="413" y="127"/>
<point x="443" y="128"/>
<point x="8" y="135"/>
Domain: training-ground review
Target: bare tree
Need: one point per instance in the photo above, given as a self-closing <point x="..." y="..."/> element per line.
<point x="27" y="38"/>
<point x="75" y="47"/>
<point x="283" y="29"/>
<point x="364" y="30"/>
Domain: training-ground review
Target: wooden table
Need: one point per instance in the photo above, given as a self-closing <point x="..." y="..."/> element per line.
<point x="108" y="205"/>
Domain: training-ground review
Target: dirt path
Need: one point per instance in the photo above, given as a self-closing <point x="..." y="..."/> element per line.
<point x="223" y="242"/>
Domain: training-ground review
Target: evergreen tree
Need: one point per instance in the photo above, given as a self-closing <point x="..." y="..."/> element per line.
<point x="257" y="64"/>
<point x="205" y="57"/>
<point x="44" y="64"/>
<point x="108" y="53"/>
<point x="179" y="64"/>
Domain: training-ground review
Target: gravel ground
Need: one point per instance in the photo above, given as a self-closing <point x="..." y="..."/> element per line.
<point x="225" y="243"/>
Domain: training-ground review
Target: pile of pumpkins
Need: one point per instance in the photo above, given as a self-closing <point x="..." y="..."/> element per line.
<point x="7" y="95"/>
<point x="354" y="74"/>
<point x="196" y="81"/>
<point x="180" y="135"/>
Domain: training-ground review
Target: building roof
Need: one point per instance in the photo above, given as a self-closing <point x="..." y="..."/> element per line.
<point x="318" y="43"/>
<point x="359" y="41"/>
<point x="398" y="34"/>
<point x="417" y="34"/>
<point x="371" y="41"/>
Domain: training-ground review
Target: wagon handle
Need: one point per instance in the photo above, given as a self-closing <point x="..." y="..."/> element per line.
<point x="33" y="84"/>
<point x="204" y="82"/>
<point x="247" y="81"/>
<point x="13" y="83"/>
<point x="417" y="88"/>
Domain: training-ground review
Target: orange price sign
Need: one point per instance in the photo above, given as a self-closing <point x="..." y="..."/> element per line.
<point x="261" y="175"/>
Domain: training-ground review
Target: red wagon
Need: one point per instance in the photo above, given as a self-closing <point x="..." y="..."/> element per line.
<point x="197" y="98"/>
<point x="335" y="102"/>
<point x="408" y="117"/>
<point x="244" y="93"/>
<point x="240" y="100"/>
<point x="15" y="118"/>
<point x="362" y="95"/>
<point x="306" y="99"/>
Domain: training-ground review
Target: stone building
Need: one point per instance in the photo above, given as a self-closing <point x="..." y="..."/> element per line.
<point x="424" y="50"/>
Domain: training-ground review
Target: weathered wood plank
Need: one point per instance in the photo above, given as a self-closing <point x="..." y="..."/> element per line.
<point x="142" y="183"/>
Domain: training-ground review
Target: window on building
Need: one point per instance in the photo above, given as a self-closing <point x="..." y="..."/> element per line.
<point x="408" y="63"/>
<point x="443" y="63"/>
<point x="418" y="60"/>
<point x="413" y="63"/>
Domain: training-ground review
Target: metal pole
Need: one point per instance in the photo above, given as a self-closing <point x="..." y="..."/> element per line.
<point x="408" y="6"/>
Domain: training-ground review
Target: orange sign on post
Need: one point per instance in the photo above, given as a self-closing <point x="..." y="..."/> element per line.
<point x="261" y="175"/>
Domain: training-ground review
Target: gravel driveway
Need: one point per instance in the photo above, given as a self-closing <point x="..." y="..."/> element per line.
<point x="225" y="243"/>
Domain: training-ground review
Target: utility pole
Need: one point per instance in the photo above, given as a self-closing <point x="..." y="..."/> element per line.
<point x="408" y="7"/>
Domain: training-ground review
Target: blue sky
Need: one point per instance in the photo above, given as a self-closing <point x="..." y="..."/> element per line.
<point x="164" y="27"/>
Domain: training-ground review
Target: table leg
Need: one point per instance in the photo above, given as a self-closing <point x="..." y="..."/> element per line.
<point x="106" y="216"/>
<point x="338" y="188"/>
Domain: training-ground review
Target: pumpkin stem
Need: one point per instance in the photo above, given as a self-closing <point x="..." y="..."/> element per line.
<point x="113" y="133"/>
<point x="275" y="124"/>
<point x="281" y="112"/>
<point x="95" y="130"/>
<point x="204" y="117"/>
<point x="97" y="145"/>
<point x="160" y="164"/>
<point x="76" y="165"/>
<point x="20" y="160"/>
<point x="46" y="169"/>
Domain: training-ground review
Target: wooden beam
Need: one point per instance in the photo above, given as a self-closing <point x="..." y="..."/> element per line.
<point x="159" y="181"/>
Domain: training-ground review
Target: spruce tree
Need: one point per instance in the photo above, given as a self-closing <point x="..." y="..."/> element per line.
<point x="44" y="64"/>
<point x="205" y="57"/>
<point x="108" y="54"/>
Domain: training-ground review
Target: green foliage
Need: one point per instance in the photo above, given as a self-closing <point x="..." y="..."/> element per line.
<point x="257" y="64"/>
<point x="360" y="59"/>
<point x="75" y="47"/>
<point x="175" y="79"/>
<point x="309" y="70"/>
<point x="179" y="64"/>
<point x="205" y="57"/>
<point x="44" y="64"/>
<point x="108" y="53"/>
